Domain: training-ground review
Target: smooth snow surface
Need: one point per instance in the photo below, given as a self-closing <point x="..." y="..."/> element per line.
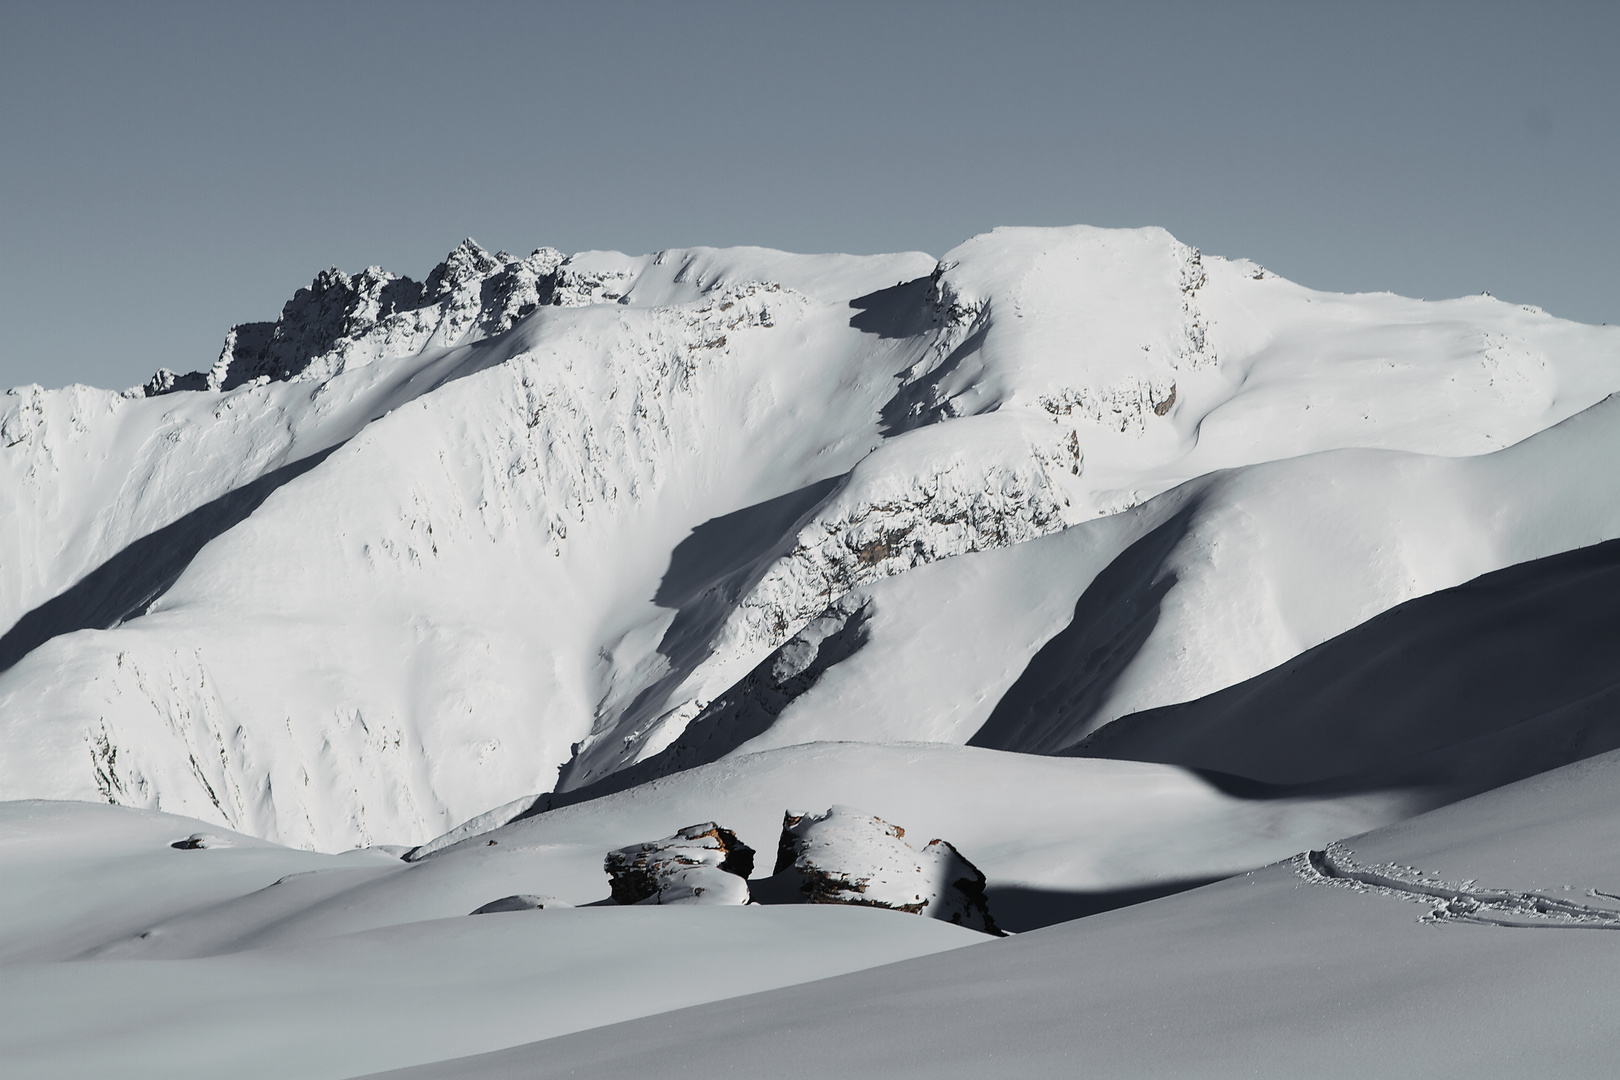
<point x="1514" y="672"/>
<point x="418" y="550"/>
<point x="1266" y="975"/>
<point x="80" y="882"/>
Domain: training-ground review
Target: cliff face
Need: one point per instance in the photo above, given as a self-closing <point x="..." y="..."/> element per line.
<point x="417" y="549"/>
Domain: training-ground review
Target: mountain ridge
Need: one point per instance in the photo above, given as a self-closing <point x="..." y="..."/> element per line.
<point x="463" y="597"/>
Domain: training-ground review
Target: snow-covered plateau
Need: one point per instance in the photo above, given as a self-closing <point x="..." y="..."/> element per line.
<point x="339" y="674"/>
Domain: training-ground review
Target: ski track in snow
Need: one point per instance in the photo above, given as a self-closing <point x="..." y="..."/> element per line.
<point x="1455" y="902"/>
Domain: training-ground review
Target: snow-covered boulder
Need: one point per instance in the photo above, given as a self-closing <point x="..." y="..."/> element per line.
<point x="701" y="864"/>
<point x="845" y="856"/>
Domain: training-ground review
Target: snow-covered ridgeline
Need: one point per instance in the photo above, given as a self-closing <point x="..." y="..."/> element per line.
<point x="422" y="625"/>
<point x="1026" y="452"/>
<point x="585" y="425"/>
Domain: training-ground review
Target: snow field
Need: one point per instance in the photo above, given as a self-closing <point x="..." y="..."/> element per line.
<point x="1252" y="976"/>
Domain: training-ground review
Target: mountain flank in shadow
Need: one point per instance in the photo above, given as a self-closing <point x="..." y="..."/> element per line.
<point x="127" y="584"/>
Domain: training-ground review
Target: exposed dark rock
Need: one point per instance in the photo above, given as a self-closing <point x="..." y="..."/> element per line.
<point x="845" y="856"/>
<point x="343" y="319"/>
<point x="702" y="864"/>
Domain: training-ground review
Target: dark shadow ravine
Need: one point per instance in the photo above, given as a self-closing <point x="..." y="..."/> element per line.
<point x="1072" y="674"/>
<point x="128" y="583"/>
<point x="709" y="573"/>
<point x="1513" y="673"/>
<point x="926" y="400"/>
<point x="722" y="545"/>
<point x="1571" y="732"/>
<point x="903" y="310"/>
<point x="906" y="310"/>
<point x="744" y="711"/>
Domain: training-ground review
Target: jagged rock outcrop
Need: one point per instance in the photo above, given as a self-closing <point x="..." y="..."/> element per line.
<point x="700" y="864"/>
<point x="846" y="856"/>
<point x="344" y="321"/>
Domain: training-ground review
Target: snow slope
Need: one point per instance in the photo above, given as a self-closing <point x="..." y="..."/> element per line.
<point x="1260" y="976"/>
<point x="430" y="991"/>
<point x="1030" y="647"/>
<point x="1052" y="836"/>
<point x="197" y="961"/>
<point x="339" y="1006"/>
<point x="1243" y="572"/>
<point x="78" y="875"/>
<point x="1517" y="669"/>
<point x="256" y="960"/>
<point x="488" y="579"/>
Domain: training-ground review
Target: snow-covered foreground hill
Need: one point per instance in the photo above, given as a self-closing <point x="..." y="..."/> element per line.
<point x="1120" y="568"/>
<point x="1270" y="974"/>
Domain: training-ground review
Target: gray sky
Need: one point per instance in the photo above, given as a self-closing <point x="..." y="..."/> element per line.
<point x="167" y="170"/>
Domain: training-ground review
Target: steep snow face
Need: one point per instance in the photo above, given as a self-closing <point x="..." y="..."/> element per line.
<point x="535" y="494"/>
<point x="85" y="472"/>
<point x="1032" y="646"/>
<point x="550" y="538"/>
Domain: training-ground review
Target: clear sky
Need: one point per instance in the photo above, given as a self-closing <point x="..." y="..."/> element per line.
<point x="167" y="170"/>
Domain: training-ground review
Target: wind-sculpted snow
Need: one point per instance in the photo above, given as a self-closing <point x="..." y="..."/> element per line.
<point x="477" y="586"/>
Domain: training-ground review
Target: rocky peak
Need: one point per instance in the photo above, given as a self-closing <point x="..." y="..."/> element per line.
<point x="341" y="321"/>
<point x="467" y="263"/>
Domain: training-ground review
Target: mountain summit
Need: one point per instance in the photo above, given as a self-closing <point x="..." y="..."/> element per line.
<point x="558" y="525"/>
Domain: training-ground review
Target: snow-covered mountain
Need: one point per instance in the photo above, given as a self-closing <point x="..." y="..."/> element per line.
<point x="413" y="551"/>
<point x="1069" y="570"/>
